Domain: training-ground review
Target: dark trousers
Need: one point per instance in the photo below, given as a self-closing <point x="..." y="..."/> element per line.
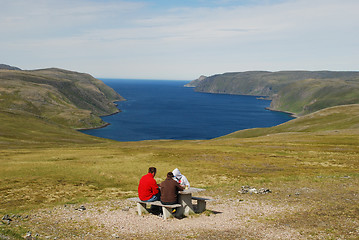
<point x="154" y="198"/>
<point x="169" y="203"/>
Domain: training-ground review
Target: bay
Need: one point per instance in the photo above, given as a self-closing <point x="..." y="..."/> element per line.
<point x="160" y="109"/>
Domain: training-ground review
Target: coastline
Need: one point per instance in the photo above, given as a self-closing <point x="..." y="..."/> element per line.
<point x="294" y="115"/>
<point x="84" y="129"/>
<point x="105" y="124"/>
<point x="291" y="114"/>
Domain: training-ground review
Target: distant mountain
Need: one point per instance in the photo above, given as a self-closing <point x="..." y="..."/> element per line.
<point x="64" y="97"/>
<point x="299" y="92"/>
<point x="7" y="67"/>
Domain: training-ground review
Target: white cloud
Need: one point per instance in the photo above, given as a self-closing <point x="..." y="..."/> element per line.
<point x="21" y="17"/>
<point x="124" y="39"/>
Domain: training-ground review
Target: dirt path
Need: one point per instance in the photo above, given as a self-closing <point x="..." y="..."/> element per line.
<point x="225" y="219"/>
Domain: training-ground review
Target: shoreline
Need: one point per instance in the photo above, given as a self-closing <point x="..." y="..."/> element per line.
<point x="294" y="115"/>
<point x="102" y="126"/>
<point x="106" y="123"/>
<point x="291" y="114"/>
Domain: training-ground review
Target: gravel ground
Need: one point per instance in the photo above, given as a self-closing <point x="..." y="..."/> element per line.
<point x="224" y="219"/>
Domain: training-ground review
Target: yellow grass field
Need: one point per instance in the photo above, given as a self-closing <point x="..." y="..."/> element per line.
<point x="318" y="169"/>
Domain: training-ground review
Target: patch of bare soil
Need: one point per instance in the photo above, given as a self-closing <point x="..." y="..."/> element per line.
<point x="224" y="219"/>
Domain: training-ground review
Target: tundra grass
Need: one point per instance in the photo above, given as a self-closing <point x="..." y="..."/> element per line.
<point x="53" y="175"/>
<point x="330" y="119"/>
<point x="316" y="170"/>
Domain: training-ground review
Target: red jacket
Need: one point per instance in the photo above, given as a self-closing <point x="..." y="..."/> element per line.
<point x="147" y="187"/>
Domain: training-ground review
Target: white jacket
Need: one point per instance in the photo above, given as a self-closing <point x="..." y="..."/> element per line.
<point x="181" y="179"/>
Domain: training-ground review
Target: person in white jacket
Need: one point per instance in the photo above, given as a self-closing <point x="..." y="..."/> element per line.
<point x="181" y="179"/>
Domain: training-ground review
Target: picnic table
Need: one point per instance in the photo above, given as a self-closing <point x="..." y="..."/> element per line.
<point x="184" y="207"/>
<point x="185" y="199"/>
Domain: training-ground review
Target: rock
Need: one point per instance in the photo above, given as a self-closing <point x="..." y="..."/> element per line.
<point x="244" y="189"/>
<point x="115" y="235"/>
<point x="28" y="236"/>
<point x="252" y="190"/>
<point x="264" y="191"/>
<point x="82" y="208"/>
<point x="6" y="218"/>
<point x="248" y="189"/>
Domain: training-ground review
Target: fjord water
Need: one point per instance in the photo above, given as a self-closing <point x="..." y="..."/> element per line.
<point x="158" y="109"/>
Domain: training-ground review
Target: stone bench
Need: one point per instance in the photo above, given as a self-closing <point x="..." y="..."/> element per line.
<point x="201" y="203"/>
<point x="166" y="209"/>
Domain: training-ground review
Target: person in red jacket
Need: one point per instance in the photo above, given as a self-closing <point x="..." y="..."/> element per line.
<point x="148" y="190"/>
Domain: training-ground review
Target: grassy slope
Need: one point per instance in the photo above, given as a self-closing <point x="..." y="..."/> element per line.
<point x="300" y="92"/>
<point x="37" y="155"/>
<point x="69" y="98"/>
<point x="28" y="131"/>
<point x="334" y="118"/>
<point x="44" y="164"/>
<point x="310" y="95"/>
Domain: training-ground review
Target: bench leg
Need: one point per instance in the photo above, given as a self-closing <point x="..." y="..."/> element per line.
<point x="141" y="208"/>
<point x="201" y="206"/>
<point x="167" y="212"/>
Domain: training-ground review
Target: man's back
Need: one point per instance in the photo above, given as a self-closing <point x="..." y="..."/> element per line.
<point x="147" y="187"/>
<point x="169" y="190"/>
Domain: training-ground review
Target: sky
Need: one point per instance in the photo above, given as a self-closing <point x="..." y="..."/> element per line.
<point x="179" y="39"/>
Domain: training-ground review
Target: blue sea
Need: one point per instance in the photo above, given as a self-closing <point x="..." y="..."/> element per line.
<point x="159" y="109"/>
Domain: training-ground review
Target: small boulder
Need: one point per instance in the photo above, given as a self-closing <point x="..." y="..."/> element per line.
<point x="82" y="208"/>
<point x="252" y="190"/>
<point x="264" y="191"/>
<point x="6" y="218"/>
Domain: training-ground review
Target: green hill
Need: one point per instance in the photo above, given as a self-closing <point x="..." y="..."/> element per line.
<point x="330" y="119"/>
<point x="64" y="97"/>
<point x="21" y="130"/>
<point x="299" y="92"/>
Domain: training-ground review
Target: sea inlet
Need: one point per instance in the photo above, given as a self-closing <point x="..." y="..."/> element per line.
<point x="161" y="109"/>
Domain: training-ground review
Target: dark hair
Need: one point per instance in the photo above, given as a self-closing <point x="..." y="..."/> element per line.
<point x="170" y="175"/>
<point x="152" y="170"/>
